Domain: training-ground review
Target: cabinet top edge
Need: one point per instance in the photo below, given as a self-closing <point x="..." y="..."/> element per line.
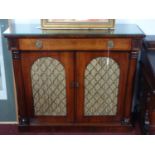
<point x="33" y="30"/>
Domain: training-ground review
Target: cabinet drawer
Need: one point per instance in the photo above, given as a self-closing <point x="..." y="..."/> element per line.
<point x="74" y="44"/>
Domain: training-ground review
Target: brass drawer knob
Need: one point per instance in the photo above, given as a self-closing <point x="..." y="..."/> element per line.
<point x="39" y="44"/>
<point x="110" y="44"/>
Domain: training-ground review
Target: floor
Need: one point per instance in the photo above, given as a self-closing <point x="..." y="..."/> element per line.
<point x="10" y="129"/>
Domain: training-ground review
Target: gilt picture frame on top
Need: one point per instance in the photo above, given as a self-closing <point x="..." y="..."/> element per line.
<point x="77" y="23"/>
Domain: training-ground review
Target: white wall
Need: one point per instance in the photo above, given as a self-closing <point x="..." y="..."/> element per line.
<point x="3" y="90"/>
<point x="148" y="26"/>
<point x="27" y="21"/>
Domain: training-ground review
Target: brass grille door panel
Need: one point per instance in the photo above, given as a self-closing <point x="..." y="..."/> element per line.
<point x="101" y="87"/>
<point x="47" y="77"/>
<point x="49" y="87"/>
<point x="101" y="81"/>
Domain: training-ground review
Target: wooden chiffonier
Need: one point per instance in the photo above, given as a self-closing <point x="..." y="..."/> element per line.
<point x="147" y="86"/>
<point x="75" y="80"/>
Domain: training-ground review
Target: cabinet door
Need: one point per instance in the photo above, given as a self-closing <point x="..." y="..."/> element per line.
<point x="102" y="86"/>
<point x="47" y="77"/>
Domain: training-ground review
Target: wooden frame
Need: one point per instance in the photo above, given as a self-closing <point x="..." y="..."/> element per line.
<point x="83" y="59"/>
<point x="66" y="59"/>
<point x="77" y="23"/>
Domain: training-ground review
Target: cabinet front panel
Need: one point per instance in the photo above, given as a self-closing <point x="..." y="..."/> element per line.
<point x="102" y="83"/>
<point x="47" y="78"/>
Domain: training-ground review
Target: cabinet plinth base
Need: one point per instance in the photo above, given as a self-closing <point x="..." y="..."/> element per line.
<point x="115" y="128"/>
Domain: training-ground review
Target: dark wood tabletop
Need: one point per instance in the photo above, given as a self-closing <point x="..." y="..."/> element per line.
<point x="33" y="30"/>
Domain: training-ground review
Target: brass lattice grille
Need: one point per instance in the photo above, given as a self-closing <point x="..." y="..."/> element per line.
<point x="49" y="87"/>
<point x="101" y="87"/>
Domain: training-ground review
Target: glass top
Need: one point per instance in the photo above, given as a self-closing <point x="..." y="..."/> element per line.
<point x="19" y="30"/>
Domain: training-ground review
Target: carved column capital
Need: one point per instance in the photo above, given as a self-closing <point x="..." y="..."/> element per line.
<point x="13" y="44"/>
<point x="16" y="55"/>
<point x="136" y="44"/>
<point x="134" y="54"/>
<point x="136" y="47"/>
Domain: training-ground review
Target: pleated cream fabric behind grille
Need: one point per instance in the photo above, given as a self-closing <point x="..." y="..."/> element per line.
<point x="101" y="87"/>
<point x="49" y="87"/>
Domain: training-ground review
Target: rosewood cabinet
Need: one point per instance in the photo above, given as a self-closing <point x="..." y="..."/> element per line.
<point x="147" y="85"/>
<point x="75" y="80"/>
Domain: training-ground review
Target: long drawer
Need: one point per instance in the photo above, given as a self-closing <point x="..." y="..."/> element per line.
<point x="74" y="44"/>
